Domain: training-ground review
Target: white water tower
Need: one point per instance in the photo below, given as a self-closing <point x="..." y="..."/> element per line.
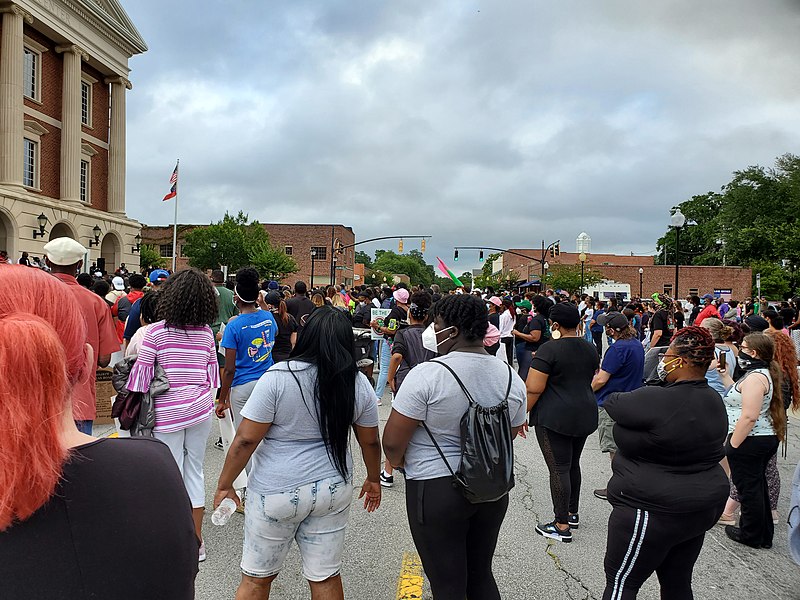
<point x="583" y="244"/>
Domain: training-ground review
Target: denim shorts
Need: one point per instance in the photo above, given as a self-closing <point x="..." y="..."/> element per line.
<point x="315" y="515"/>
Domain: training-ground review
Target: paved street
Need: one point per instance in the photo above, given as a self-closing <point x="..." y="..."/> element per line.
<point x="526" y="566"/>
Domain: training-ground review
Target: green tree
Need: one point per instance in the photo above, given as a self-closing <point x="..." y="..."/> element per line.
<point x="445" y="283"/>
<point x="150" y="258"/>
<point x="568" y="278"/>
<point x="270" y="261"/>
<point x="364" y="258"/>
<point x="235" y="237"/>
<point x="410" y="264"/>
<point x="751" y="222"/>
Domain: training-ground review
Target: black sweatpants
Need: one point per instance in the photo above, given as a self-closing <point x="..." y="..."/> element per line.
<point x="524" y="360"/>
<point x="641" y="542"/>
<point x="455" y="539"/>
<point x="748" y="471"/>
<point x="562" y="453"/>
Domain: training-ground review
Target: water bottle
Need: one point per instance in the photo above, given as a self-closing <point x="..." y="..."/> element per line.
<point x="223" y="513"/>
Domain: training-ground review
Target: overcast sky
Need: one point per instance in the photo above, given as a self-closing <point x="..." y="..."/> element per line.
<point x="499" y="122"/>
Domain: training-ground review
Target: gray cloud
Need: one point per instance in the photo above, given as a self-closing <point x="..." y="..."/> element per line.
<point x="476" y="122"/>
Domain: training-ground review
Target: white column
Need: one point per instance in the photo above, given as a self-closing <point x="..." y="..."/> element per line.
<point x="116" y="149"/>
<point x="71" y="124"/>
<point x="11" y="106"/>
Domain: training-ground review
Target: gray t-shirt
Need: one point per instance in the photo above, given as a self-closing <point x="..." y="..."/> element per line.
<point x="430" y="393"/>
<point x="293" y="453"/>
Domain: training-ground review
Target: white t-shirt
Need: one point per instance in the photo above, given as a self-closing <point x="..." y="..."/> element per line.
<point x="430" y="393"/>
<point x="293" y="452"/>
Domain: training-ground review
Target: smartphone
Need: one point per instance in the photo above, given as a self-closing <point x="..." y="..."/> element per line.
<point x="723" y="361"/>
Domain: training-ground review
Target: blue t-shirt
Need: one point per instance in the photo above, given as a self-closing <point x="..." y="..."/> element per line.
<point x="134" y="322"/>
<point x="252" y="336"/>
<point x="625" y="361"/>
<point x="597" y="328"/>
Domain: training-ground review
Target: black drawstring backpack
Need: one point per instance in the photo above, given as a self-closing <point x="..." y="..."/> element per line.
<point x="486" y="470"/>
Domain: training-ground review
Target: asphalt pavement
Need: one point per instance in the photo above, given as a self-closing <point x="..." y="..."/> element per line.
<point x="526" y="565"/>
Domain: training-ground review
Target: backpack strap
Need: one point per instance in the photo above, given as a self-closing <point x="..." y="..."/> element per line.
<point x="469" y="397"/>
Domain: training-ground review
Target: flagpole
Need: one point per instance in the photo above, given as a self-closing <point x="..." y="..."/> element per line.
<point x="175" y="223"/>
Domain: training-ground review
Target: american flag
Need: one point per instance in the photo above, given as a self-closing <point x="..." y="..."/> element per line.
<point x="174" y="189"/>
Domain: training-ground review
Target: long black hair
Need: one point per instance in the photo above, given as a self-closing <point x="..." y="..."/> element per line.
<point x="327" y="342"/>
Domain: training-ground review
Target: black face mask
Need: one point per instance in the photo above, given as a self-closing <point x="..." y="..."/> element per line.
<point x="748" y="363"/>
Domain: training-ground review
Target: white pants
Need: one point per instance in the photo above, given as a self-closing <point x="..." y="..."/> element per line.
<point x="188" y="448"/>
<point x="239" y="396"/>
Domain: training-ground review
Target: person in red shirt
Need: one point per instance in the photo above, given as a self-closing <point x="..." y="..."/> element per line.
<point x="709" y="310"/>
<point x="65" y="257"/>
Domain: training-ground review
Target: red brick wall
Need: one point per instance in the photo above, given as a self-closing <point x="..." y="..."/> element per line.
<point x="703" y="279"/>
<point x="52" y="76"/>
<point x="300" y="237"/>
<point x="99" y="195"/>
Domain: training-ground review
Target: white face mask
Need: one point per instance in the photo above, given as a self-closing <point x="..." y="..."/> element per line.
<point x="429" y="340"/>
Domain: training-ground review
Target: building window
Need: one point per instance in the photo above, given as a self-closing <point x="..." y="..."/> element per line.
<point x="30" y="73"/>
<point x="668" y="289"/>
<point x="29" y="171"/>
<point x="288" y="250"/>
<point x="86" y="103"/>
<point x="165" y="250"/>
<point x="321" y="252"/>
<point x="694" y="292"/>
<point x="85" y="180"/>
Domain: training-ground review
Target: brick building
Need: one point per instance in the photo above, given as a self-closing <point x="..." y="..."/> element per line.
<point x="296" y="240"/>
<point x="625" y="269"/>
<point x="63" y="81"/>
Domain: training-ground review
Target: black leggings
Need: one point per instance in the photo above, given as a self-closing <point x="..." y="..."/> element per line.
<point x="455" y="539"/>
<point x="597" y="338"/>
<point x="641" y="542"/>
<point x="748" y="471"/>
<point x="562" y="453"/>
<point x="508" y="343"/>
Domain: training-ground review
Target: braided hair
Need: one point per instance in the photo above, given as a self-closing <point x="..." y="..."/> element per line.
<point x="695" y="345"/>
<point x="465" y="312"/>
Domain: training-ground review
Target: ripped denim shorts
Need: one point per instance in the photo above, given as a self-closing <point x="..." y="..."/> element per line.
<point x="314" y="514"/>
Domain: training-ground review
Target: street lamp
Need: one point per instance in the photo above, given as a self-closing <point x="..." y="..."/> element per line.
<point x="96" y="231"/>
<point x="545" y="266"/>
<point x="313" y="258"/>
<point x="641" y="274"/>
<point x="582" y="258"/>
<point x="138" y="246"/>
<point x="677" y="220"/>
<point x="42" y="221"/>
<point x="213" y="244"/>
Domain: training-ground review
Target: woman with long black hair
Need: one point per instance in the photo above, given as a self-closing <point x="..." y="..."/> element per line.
<point x="296" y="425"/>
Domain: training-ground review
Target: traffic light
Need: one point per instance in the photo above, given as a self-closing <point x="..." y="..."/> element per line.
<point x="455" y="255"/>
<point x="480" y="257"/>
<point x="400" y="246"/>
<point x="557" y="248"/>
<point x="422" y="246"/>
<point x="552" y="251"/>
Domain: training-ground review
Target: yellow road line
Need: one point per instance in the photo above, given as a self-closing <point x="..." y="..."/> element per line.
<point x="409" y="584"/>
<point x="114" y="435"/>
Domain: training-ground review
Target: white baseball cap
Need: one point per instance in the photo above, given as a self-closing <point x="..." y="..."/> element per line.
<point x="118" y="283"/>
<point x="64" y="251"/>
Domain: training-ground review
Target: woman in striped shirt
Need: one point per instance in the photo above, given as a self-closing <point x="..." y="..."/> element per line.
<point x="183" y="344"/>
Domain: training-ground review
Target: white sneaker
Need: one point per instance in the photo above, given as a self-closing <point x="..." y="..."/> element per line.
<point x="202" y="556"/>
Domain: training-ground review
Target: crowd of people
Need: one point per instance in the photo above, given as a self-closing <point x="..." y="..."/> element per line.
<point x="689" y="400"/>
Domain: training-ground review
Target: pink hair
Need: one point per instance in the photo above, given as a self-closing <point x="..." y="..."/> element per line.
<point x="42" y="355"/>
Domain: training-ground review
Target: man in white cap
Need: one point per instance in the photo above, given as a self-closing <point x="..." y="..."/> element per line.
<point x="64" y="257"/>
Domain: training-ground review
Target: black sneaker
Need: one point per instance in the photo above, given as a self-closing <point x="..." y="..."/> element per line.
<point x="386" y="479"/>
<point x="218" y="444"/>
<point x="552" y="531"/>
<point x="602" y="494"/>
<point x="574" y="521"/>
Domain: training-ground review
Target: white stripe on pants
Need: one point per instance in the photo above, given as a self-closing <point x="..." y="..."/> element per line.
<point x="188" y="448"/>
<point x="637" y="538"/>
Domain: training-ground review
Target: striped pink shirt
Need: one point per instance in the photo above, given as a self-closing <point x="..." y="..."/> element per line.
<point x="189" y="359"/>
